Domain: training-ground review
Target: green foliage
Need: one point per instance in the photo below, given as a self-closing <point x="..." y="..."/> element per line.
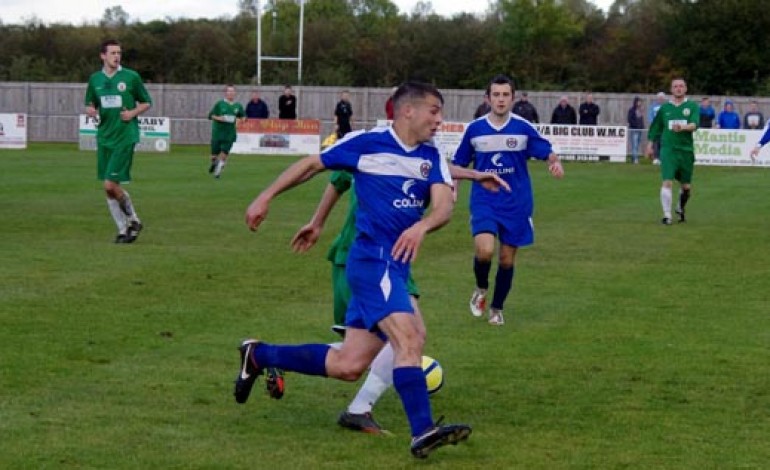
<point x="637" y="46"/>
<point x="627" y="345"/>
<point x="722" y="44"/>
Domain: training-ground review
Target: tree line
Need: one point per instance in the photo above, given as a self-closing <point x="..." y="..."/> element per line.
<point x="719" y="46"/>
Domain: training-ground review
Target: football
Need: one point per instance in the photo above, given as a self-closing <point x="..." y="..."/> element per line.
<point x="434" y="374"/>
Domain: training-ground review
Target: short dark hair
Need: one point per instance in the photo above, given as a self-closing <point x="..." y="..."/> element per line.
<point x="500" y="80"/>
<point x="108" y="42"/>
<point x="415" y="90"/>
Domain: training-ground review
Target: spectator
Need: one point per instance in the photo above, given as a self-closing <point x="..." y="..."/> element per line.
<point x="287" y="104"/>
<point x="589" y="111"/>
<point x="636" y="127"/>
<point x="256" y="108"/>
<point x="526" y="109"/>
<point x="342" y="114"/>
<point x="389" y="104"/>
<point x="707" y="114"/>
<point x="728" y="118"/>
<point x="660" y="99"/>
<point x="754" y="119"/>
<point x="483" y="109"/>
<point x="564" y="113"/>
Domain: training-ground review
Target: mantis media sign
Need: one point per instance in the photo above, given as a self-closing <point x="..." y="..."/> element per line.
<point x="154" y="133"/>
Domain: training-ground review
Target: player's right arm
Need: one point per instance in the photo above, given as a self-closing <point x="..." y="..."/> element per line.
<point x="654" y="132"/>
<point x="308" y="234"/>
<point x="296" y="174"/>
<point x="91" y="101"/>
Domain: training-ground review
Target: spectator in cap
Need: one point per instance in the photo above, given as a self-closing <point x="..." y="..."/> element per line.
<point x="728" y="118"/>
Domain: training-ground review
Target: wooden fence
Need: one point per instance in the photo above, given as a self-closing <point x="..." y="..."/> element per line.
<point x="53" y="108"/>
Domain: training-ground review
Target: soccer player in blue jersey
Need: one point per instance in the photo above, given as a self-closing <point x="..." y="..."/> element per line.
<point x="396" y="173"/>
<point x="501" y="142"/>
<point x="358" y="415"/>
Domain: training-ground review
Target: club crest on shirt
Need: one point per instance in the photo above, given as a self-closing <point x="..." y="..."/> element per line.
<point x="686" y="112"/>
<point x="425" y="169"/>
<point x="122" y="86"/>
<point x="511" y="142"/>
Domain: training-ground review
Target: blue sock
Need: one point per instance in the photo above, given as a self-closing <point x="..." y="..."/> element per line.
<point x="481" y="270"/>
<point x="308" y="359"/>
<point x="409" y="382"/>
<point x="503" y="283"/>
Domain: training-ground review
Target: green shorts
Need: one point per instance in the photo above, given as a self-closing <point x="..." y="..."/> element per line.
<point x="342" y="292"/>
<point x="221" y="146"/>
<point x="114" y="163"/>
<point x="677" y="165"/>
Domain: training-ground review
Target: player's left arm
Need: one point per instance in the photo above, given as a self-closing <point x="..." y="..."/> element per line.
<point x="762" y="141"/>
<point x="142" y="99"/>
<point x="554" y="166"/>
<point x="408" y="244"/>
<point x="240" y="115"/>
<point x="541" y="149"/>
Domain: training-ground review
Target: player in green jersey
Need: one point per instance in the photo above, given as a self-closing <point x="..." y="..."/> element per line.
<point x="116" y="95"/>
<point x="674" y="125"/>
<point x="224" y="116"/>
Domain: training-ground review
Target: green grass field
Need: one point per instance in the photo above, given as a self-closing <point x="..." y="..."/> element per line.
<point x="628" y="344"/>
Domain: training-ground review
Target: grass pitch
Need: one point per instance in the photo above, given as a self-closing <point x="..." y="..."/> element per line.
<point x="627" y="345"/>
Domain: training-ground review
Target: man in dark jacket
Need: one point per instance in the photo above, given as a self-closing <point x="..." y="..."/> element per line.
<point x="526" y="109"/>
<point x="343" y="112"/>
<point x="256" y="108"/>
<point x="564" y="113"/>
<point x="589" y="111"/>
<point x="287" y="104"/>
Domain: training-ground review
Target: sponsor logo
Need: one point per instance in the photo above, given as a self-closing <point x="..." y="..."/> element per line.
<point x="410" y="201"/>
<point x="496" y="162"/>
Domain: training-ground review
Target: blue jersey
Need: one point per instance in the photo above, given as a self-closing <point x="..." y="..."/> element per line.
<point x="504" y="151"/>
<point x="392" y="181"/>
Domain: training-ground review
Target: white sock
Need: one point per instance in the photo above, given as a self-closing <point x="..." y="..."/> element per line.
<point x="127" y="206"/>
<point x="220" y="166"/>
<point x="117" y="215"/>
<point x="379" y="379"/>
<point x="665" y="201"/>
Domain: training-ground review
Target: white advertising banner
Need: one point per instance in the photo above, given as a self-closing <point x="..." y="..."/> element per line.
<point x="726" y="147"/>
<point x="13" y="131"/>
<point x="278" y="137"/>
<point x="587" y="143"/>
<point x="447" y="139"/>
<point x="154" y="133"/>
